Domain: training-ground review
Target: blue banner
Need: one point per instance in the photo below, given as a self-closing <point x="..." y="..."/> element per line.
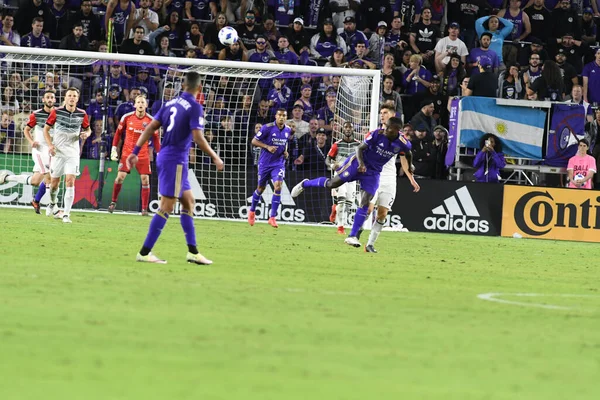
<point x="566" y="128"/>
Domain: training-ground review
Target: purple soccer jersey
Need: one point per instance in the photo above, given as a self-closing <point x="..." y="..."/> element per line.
<point x="271" y="135"/>
<point x="178" y="117"/>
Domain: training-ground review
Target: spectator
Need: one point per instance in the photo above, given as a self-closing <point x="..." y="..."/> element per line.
<point x="200" y="9"/>
<point x="302" y="127"/>
<point x="214" y="115"/>
<point x="7" y="133"/>
<point x="193" y="37"/>
<point x="8" y="36"/>
<point x="433" y="94"/>
<point x="377" y="44"/>
<point x="581" y="167"/>
<point x="233" y="53"/>
<point x="36" y="38"/>
<point x="98" y="110"/>
<point x="423" y="158"/>
<point x="280" y="95"/>
<point x="326" y="114"/>
<point x="452" y="74"/>
<point x="588" y="27"/>
<point x="417" y="78"/>
<point x="485" y="83"/>
<point x="163" y="47"/>
<point x="211" y="34"/>
<point x="396" y="40"/>
<point x="388" y="93"/>
<point x="540" y="20"/>
<point x="209" y="52"/>
<point x="490" y="26"/>
<point x="117" y="82"/>
<point x="360" y="54"/>
<point x="462" y="89"/>
<point x="423" y="121"/>
<point x="536" y="47"/>
<point x="449" y="45"/>
<point x="568" y="72"/>
<point x="27" y="12"/>
<point x="20" y="119"/>
<point x="241" y="116"/>
<point x="247" y="31"/>
<point x="574" y="49"/>
<point x="483" y="51"/>
<point x="137" y="45"/>
<point x="592" y="134"/>
<point x="57" y="22"/>
<point x="351" y="36"/>
<point x="283" y="53"/>
<point x="423" y="37"/>
<point x="167" y="94"/>
<point x="75" y="40"/>
<point x="159" y="8"/>
<point x="92" y="28"/>
<point x="315" y="154"/>
<point x="15" y="81"/>
<point x="236" y="9"/>
<point x="143" y="17"/>
<point x="262" y="114"/>
<point x="323" y="44"/>
<point x="371" y="14"/>
<point x="565" y="20"/>
<point x="521" y="29"/>
<point x="439" y="148"/>
<point x="490" y="160"/>
<point x="126" y="106"/>
<point x="305" y="101"/>
<point x="470" y="12"/>
<point x="510" y="84"/>
<point x="550" y="86"/>
<point x="231" y="143"/>
<point x="342" y="9"/>
<point x="8" y="101"/>
<point x="284" y="11"/>
<point x="260" y="53"/>
<point x="176" y="31"/>
<point x="299" y="37"/>
<point x="591" y="80"/>
<point x="309" y="139"/>
<point x="389" y="69"/>
<point x="120" y="11"/>
<point x="270" y="31"/>
<point x="534" y="71"/>
<point x="577" y="98"/>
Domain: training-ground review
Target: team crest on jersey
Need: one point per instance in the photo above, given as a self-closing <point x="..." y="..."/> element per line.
<point x="396" y="149"/>
<point x="144" y="124"/>
<point x="346" y="173"/>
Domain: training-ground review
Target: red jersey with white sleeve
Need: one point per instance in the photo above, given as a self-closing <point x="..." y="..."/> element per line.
<point x="132" y="127"/>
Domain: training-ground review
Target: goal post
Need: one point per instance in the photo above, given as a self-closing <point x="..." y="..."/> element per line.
<point x="236" y="97"/>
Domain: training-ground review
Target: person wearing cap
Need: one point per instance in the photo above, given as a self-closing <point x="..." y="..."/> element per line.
<point x="439" y="148"/>
<point x="588" y="26"/>
<point x="342" y="9"/>
<point x="314" y="155"/>
<point x="424" y="35"/>
<point x="323" y="44"/>
<point x="484" y="84"/>
<point x="574" y="49"/>
<point x="491" y="26"/>
<point x="536" y="47"/>
<point x="591" y="80"/>
<point x="302" y="127"/>
<point x="565" y="20"/>
<point x="371" y="13"/>
<point x="449" y="45"/>
<point x="423" y="120"/>
<point x="568" y="71"/>
<point x="550" y="86"/>
<point x="510" y="83"/>
<point x="581" y="167"/>
<point x="541" y="21"/>
<point x="299" y="37"/>
<point x="434" y="94"/>
<point x="483" y="51"/>
<point x="377" y="44"/>
<point x="146" y="83"/>
<point x="351" y="36"/>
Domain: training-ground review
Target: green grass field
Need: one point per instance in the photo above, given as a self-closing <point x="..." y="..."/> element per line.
<point x="291" y="313"/>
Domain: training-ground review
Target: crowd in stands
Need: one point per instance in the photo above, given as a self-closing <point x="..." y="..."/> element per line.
<point x="427" y="50"/>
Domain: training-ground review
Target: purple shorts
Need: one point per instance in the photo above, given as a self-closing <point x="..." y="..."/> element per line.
<point x="273" y="173"/>
<point x="172" y="177"/>
<point x="348" y="172"/>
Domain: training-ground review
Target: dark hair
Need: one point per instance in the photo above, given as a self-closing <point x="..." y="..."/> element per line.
<point x="135" y="28"/>
<point x="281" y="109"/>
<point x="389" y="77"/>
<point x="387" y="107"/>
<point x="497" y="145"/>
<point x="37" y="19"/>
<point x="192" y="80"/>
<point x="395" y="121"/>
<point x="584" y="141"/>
<point x="552" y="75"/>
<point x="78" y="24"/>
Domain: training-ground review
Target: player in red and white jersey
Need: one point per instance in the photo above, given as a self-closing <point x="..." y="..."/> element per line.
<point x="39" y="153"/>
<point x="132" y="125"/>
<point x="70" y="124"/>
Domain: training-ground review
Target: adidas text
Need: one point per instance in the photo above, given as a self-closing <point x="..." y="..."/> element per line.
<point x="457" y="224"/>
<point x="283" y="214"/>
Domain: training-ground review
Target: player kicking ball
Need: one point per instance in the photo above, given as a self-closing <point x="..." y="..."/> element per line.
<point x="70" y="124"/>
<point x="273" y="140"/>
<point x="182" y="119"/>
<point x="365" y="166"/>
<point x="39" y="153"/>
<point x="132" y="125"/>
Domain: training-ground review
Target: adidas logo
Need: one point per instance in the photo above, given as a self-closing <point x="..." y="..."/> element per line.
<point x="457" y="214"/>
<point x="267" y="195"/>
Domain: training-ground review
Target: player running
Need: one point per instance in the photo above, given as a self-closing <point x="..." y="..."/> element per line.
<point x="39" y="153"/>
<point x="273" y="140"/>
<point x="70" y="124"/>
<point x="183" y="120"/>
<point x="132" y="125"/>
<point x="347" y="192"/>
<point x="365" y="166"/>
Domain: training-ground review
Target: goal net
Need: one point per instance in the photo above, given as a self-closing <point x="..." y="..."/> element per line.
<point x="238" y="98"/>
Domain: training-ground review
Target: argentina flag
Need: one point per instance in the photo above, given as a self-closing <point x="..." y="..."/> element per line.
<point x="520" y="129"/>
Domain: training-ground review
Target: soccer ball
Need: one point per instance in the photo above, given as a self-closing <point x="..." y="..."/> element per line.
<point x="228" y="36"/>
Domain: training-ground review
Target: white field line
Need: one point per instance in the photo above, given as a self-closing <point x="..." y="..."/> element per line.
<point x="493" y="297"/>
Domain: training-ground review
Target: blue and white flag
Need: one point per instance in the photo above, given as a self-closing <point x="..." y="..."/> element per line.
<point x="520" y="129"/>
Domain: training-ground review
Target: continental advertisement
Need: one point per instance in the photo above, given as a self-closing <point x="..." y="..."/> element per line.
<point x="550" y="213"/>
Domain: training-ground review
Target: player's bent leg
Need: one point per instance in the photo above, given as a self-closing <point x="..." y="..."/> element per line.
<point x="187" y="223"/>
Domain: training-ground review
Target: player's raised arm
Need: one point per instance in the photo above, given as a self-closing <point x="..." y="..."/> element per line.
<point x="205" y="147"/>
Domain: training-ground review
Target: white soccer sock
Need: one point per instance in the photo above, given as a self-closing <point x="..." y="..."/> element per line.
<point x="68" y="199"/>
<point x="22" y="179"/>
<point x="341" y="213"/>
<point x="375" y="231"/>
<point x="53" y="196"/>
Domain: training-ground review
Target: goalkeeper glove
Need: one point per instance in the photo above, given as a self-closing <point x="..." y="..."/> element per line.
<point x="113" y="154"/>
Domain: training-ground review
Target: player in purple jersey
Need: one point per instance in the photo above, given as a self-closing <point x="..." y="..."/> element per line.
<point x="365" y="166"/>
<point x="273" y="140"/>
<point x="182" y="120"/>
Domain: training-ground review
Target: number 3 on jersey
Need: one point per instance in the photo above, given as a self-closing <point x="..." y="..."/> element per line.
<point x="173" y="112"/>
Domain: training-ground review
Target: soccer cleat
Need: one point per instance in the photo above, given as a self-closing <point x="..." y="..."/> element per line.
<point x="370" y="249"/>
<point x="333" y="214"/>
<point x="251" y="217"/>
<point x="36" y="206"/>
<point x="150" y="258"/>
<point x="3" y="176"/>
<point x="198" y="259"/>
<point x="112" y="206"/>
<point x="144" y="213"/>
<point x="352" y="241"/>
<point x="66" y="219"/>
<point x="273" y="222"/>
<point x="298" y="189"/>
<point x="56" y="213"/>
<point x="49" y="210"/>
<point x="341" y="230"/>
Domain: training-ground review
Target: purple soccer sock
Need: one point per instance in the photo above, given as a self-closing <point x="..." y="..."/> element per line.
<point x="187" y="223"/>
<point x="359" y="220"/>
<point x="317" y="182"/>
<point x="275" y="201"/>
<point x="255" y="200"/>
<point x="157" y="224"/>
<point x="41" y="192"/>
